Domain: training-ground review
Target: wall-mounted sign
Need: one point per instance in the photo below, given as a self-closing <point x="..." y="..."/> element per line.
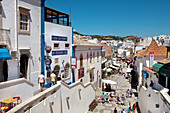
<point x="168" y="54"/>
<point x="48" y="49"/>
<point x="80" y="73"/>
<point x="48" y="61"/>
<point x="74" y="63"/>
<point x="151" y="59"/>
<point x="60" y="52"/>
<point x="56" y="60"/>
<point x="48" y="68"/>
<point x="59" y="38"/>
<point x="62" y="71"/>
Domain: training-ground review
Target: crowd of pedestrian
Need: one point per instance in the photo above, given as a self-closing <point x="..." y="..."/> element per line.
<point x="120" y="100"/>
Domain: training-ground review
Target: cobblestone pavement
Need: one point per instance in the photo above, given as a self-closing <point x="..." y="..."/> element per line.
<point x="121" y="87"/>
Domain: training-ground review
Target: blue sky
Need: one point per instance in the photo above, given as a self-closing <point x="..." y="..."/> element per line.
<point x="117" y="17"/>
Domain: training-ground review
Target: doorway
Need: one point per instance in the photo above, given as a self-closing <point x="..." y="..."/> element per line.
<point x="23" y="66"/>
<point x="5" y="70"/>
<point x="56" y="70"/>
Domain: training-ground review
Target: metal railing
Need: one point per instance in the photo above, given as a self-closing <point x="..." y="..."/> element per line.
<point x="4" y="37"/>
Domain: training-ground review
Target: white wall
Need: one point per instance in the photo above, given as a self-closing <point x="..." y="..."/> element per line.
<point x="29" y="42"/>
<point x="96" y="65"/>
<point x="59" y="30"/>
<point x="147" y="103"/>
<point x="18" y="87"/>
<point x="61" y="92"/>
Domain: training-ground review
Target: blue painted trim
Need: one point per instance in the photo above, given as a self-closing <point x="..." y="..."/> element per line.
<point x="72" y="54"/>
<point x="42" y="35"/>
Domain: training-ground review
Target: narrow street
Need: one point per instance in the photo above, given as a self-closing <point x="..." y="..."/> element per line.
<point x="121" y="87"/>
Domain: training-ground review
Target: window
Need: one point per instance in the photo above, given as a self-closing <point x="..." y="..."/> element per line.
<point x="66" y="71"/>
<point x="81" y="60"/>
<point x="90" y="57"/>
<point x="87" y="57"/>
<point x="24" y="20"/>
<point x="93" y="56"/>
<point x="56" y="45"/>
<point x="97" y="56"/>
<point x="67" y="45"/>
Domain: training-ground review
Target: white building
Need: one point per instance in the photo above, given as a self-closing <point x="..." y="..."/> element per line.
<point x="20" y="34"/>
<point x="59" y="37"/>
<point x="89" y="60"/>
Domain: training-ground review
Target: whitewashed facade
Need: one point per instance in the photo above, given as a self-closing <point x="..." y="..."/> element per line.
<point x="23" y="20"/>
<point x="89" y="59"/>
<point x="59" y="61"/>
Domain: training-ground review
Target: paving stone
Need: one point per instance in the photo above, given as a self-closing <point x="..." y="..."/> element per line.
<point x="106" y="111"/>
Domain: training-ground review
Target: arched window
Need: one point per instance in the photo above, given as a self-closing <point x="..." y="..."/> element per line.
<point x="81" y="60"/>
<point x="66" y="70"/>
<point x="97" y="56"/>
<point x="90" y="57"/>
<point x="57" y="70"/>
<point x="93" y="56"/>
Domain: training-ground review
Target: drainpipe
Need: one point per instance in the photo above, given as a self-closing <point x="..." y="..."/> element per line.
<point x="42" y="35"/>
<point x="73" y="72"/>
<point x="16" y="35"/>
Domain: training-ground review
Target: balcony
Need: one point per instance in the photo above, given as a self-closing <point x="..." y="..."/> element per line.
<point x="57" y="17"/>
<point x="4" y="37"/>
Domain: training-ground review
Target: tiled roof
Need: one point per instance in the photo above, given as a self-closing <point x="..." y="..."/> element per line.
<point x="108" y="49"/>
<point x="165" y="61"/>
<point x="84" y="42"/>
<point x="153" y="47"/>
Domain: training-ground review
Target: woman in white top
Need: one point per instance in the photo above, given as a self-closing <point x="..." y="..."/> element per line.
<point x="41" y="80"/>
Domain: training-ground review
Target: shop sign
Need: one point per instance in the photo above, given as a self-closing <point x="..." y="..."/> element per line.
<point x="151" y="59"/>
<point x="73" y="63"/>
<point x="48" y="68"/>
<point x="168" y="54"/>
<point x="59" y="38"/>
<point x="48" y="49"/>
<point x="62" y="71"/>
<point x="80" y="73"/>
<point x="56" y="60"/>
<point x="48" y="61"/>
<point x="60" y="52"/>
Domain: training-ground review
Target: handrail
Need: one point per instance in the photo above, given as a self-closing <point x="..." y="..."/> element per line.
<point x="78" y="83"/>
<point x="14" y="82"/>
<point x="43" y="95"/>
<point x="35" y="99"/>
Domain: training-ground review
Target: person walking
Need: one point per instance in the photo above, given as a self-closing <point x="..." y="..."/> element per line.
<point x="134" y="108"/>
<point x="107" y="98"/>
<point x="53" y="78"/>
<point x="115" y="110"/>
<point x="127" y="93"/>
<point x="117" y="99"/>
<point x="131" y="93"/>
<point x="123" y="111"/>
<point x="128" y="110"/>
<point x="123" y="99"/>
<point x="41" y="80"/>
<point x="103" y="97"/>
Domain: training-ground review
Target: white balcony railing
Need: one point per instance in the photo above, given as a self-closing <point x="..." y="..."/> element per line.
<point x="4" y="37"/>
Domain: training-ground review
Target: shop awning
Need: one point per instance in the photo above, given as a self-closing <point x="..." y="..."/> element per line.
<point x="128" y="70"/>
<point x="156" y="67"/>
<point x="113" y="67"/>
<point x="109" y="81"/>
<point x="4" y="54"/>
<point x="165" y="71"/>
<point x="109" y="70"/>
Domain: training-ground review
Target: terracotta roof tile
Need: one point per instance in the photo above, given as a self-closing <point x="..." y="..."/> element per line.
<point x="153" y="47"/>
